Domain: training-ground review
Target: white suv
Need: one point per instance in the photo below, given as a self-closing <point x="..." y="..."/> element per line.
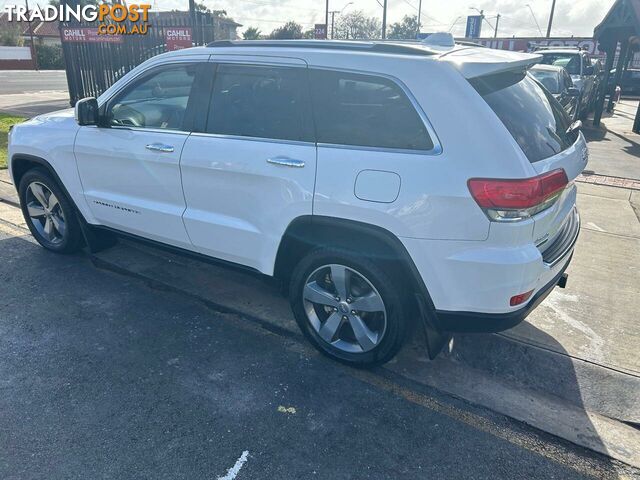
<point x="380" y="182"/>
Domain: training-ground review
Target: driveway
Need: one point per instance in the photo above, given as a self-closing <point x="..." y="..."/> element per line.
<point x="102" y="376"/>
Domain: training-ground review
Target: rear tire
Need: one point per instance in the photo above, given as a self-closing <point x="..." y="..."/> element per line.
<point x="48" y="212"/>
<point x="366" y="328"/>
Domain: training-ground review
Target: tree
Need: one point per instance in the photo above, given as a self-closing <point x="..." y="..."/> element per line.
<point x="311" y="33"/>
<point x="357" y="26"/>
<point x="407" y="29"/>
<point x="10" y="36"/>
<point x="251" y="33"/>
<point x="288" y="31"/>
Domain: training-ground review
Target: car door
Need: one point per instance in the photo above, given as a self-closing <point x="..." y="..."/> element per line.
<point x="250" y="169"/>
<point x="129" y="166"/>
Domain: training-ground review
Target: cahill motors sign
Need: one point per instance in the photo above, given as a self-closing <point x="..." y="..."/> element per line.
<point x="116" y="19"/>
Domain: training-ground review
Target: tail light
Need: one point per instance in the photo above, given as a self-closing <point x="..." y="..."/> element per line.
<point x="517" y="199"/>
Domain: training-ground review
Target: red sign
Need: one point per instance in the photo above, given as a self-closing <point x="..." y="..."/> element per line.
<point x="178" y="38"/>
<point x="87" y="35"/>
<point x="320" y="31"/>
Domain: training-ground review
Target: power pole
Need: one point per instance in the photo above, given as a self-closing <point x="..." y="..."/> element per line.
<point x="333" y="15"/>
<point x="553" y="7"/>
<point x="384" y="20"/>
<point x="34" y="54"/>
<point x="495" y="32"/>
<point x="326" y="20"/>
<point x="419" y="15"/>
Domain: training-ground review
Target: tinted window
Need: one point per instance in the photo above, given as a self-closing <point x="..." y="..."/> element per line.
<point x="257" y="101"/>
<point x="364" y="110"/>
<point x="533" y="117"/>
<point x="570" y="61"/>
<point x="158" y="101"/>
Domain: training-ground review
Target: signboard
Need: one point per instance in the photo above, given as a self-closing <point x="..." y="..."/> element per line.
<point x="87" y="35"/>
<point x="529" y="44"/>
<point x="474" y="26"/>
<point x="320" y="31"/>
<point x="178" y="38"/>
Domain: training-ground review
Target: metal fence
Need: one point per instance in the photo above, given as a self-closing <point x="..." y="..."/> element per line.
<point x="94" y="62"/>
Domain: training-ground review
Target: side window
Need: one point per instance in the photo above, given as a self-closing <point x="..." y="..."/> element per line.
<point x="260" y="101"/>
<point x="158" y="101"/>
<point x="365" y="110"/>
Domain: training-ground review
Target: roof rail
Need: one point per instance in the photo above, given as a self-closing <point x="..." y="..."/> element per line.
<point x="555" y="47"/>
<point x="360" y="46"/>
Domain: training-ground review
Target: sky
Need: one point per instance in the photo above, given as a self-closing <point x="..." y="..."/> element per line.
<point x="572" y="17"/>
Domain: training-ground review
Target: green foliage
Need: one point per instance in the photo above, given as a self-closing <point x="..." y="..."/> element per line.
<point x="407" y="29"/>
<point x="289" y="30"/>
<point x="5" y="122"/>
<point x="357" y="26"/>
<point x="251" y="33"/>
<point x="10" y="36"/>
<point x="50" y="57"/>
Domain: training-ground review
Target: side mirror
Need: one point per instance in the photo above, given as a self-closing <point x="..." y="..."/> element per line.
<point x="573" y="92"/>
<point x="87" y="111"/>
<point x="588" y="70"/>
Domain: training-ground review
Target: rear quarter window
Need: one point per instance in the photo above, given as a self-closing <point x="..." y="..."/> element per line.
<point x="365" y="110"/>
<point x="535" y="119"/>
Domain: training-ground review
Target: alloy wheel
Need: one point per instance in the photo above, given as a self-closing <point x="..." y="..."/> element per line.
<point x="46" y="213"/>
<point x="344" y="308"/>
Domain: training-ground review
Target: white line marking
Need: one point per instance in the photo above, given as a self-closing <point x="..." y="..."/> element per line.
<point x="233" y="471"/>
<point x="595" y="227"/>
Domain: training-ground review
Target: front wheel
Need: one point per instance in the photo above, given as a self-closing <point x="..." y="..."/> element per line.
<point x="348" y="307"/>
<point x="48" y="212"/>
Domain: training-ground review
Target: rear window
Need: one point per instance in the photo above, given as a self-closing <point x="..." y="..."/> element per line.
<point x="570" y="61"/>
<point x="535" y="119"/>
<point x="548" y="79"/>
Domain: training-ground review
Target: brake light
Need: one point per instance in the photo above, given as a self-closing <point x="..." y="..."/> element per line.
<point x="517" y="199"/>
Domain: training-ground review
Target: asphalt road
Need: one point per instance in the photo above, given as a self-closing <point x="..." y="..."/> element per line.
<point x="26" y="81"/>
<point x="102" y="376"/>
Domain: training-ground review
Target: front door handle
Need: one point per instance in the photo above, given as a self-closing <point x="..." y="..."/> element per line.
<point x="286" y="162"/>
<point x="160" y="147"/>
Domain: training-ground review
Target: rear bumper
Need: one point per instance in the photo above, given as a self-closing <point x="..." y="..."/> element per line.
<point x="494" y="322"/>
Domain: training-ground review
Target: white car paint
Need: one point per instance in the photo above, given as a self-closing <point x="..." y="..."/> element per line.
<point x="219" y="196"/>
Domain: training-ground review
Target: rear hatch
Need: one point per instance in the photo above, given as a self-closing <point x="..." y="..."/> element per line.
<point x="536" y="121"/>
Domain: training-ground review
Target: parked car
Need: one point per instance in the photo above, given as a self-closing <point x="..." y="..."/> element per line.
<point x="375" y="196"/>
<point x="559" y="84"/>
<point x="630" y="81"/>
<point x="578" y="64"/>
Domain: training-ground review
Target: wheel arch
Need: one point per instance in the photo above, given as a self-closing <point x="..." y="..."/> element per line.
<point x="22" y="163"/>
<point x="313" y="231"/>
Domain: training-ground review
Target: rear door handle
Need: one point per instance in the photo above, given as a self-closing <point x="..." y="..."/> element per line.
<point x="160" y="147"/>
<point x="286" y="162"/>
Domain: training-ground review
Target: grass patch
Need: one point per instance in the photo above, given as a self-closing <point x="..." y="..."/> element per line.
<point x="5" y="122"/>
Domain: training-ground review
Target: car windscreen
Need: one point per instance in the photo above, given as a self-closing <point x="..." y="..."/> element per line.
<point x="570" y="61"/>
<point x="535" y="119"/>
<point x="548" y="79"/>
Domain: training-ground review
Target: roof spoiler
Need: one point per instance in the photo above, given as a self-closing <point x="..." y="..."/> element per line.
<point x="478" y="62"/>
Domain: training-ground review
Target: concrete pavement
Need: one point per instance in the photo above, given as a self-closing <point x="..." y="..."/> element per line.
<point x="614" y="150"/>
<point x="103" y="377"/>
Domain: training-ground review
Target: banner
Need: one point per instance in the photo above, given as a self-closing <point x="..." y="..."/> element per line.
<point x="87" y="35"/>
<point x="474" y="26"/>
<point x="178" y="38"/>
